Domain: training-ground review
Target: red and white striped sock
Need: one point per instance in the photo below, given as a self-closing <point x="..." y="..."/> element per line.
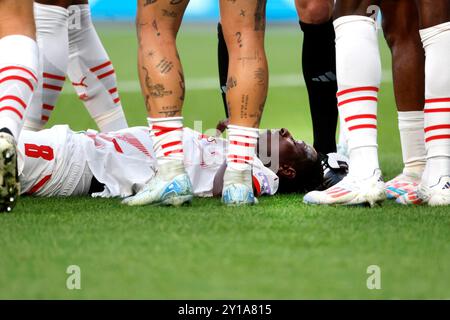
<point x="167" y="138"/>
<point x="92" y="73"/>
<point x="358" y="68"/>
<point x="52" y="39"/>
<point x="436" y="41"/>
<point x="18" y="80"/>
<point x="241" y="153"/>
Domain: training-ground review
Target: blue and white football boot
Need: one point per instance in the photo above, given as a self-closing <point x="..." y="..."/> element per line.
<point x="238" y="188"/>
<point x="164" y="189"/>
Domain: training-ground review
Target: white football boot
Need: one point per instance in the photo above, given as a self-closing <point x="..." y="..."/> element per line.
<point x="238" y="189"/>
<point x="437" y="195"/>
<point x="9" y="183"/>
<point x="164" y="190"/>
<point x="401" y="185"/>
<point x="351" y="191"/>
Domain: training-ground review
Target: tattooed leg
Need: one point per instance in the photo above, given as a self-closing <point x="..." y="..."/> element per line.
<point x="160" y="70"/>
<point x="243" y="25"/>
<point x="162" y="83"/>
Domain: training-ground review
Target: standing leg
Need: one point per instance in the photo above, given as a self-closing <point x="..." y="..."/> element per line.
<point x="162" y="83"/>
<point x="18" y="81"/>
<point x="92" y="73"/>
<point x="401" y="30"/>
<point x="52" y="18"/>
<point x="358" y="69"/>
<point x="435" y="34"/>
<point x="243" y="25"/>
<point x="319" y="69"/>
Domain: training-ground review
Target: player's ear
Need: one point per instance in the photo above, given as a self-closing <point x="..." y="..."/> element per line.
<point x="287" y="171"/>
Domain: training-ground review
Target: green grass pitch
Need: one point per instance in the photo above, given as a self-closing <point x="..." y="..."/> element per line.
<point x="278" y="249"/>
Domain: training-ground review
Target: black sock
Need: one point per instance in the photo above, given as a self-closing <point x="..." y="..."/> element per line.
<point x="319" y="71"/>
<point x="222" y="55"/>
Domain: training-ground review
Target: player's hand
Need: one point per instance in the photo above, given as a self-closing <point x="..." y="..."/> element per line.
<point x="222" y="125"/>
<point x="335" y="168"/>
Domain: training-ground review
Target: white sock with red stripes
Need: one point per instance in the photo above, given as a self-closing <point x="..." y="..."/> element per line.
<point x="241" y="152"/>
<point x="436" y="41"/>
<point x="52" y="39"/>
<point x="358" y="69"/>
<point x="92" y="73"/>
<point x="18" y="80"/>
<point x="167" y="138"/>
<point x="410" y="124"/>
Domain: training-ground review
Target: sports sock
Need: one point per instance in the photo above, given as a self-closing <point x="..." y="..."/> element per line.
<point x="92" y="73"/>
<point x="52" y="39"/>
<point x="241" y="152"/>
<point x="18" y="80"/>
<point x="358" y="75"/>
<point x="167" y="137"/>
<point x="222" y="58"/>
<point x="410" y="124"/>
<point x="436" y="41"/>
<point x="319" y="72"/>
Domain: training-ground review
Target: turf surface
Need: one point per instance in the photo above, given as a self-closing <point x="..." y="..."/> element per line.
<point x="279" y="249"/>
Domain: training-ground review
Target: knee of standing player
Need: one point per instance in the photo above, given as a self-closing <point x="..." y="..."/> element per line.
<point x="398" y="33"/>
<point x="314" y="11"/>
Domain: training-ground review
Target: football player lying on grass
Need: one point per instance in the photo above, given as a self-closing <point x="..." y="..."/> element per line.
<point x="61" y="162"/>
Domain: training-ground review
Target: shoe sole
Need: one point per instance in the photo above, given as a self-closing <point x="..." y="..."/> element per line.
<point x="176" y="201"/>
<point x="9" y="187"/>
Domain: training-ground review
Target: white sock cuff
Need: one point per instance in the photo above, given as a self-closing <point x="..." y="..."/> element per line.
<point x="354" y="22"/>
<point x="410" y="119"/>
<point x="57" y="13"/>
<point x="429" y="35"/>
<point x="171" y="120"/>
<point x="249" y="131"/>
<point x="19" y="50"/>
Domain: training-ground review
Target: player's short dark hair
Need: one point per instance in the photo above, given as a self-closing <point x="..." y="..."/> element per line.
<point x="306" y="179"/>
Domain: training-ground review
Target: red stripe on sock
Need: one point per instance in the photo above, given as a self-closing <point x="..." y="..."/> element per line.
<point x="18" y="78"/>
<point x="361" y="116"/>
<point x="164" y="130"/>
<point x="14" y="98"/>
<point x="44" y="118"/>
<point x="48" y="107"/>
<point x="40" y="184"/>
<point x="106" y="74"/>
<point x="441" y="126"/>
<point x="8" y="108"/>
<point x="113" y="90"/>
<point x="341" y="93"/>
<point x="235" y="156"/>
<point x="173" y="151"/>
<point x="437" y="100"/>
<point x="242" y="144"/>
<point x="436" y="110"/>
<point x="438" y="137"/>
<point x="363" y="126"/>
<point x="54" y="76"/>
<point x="116" y="100"/>
<point x="51" y="87"/>
<point x="99" y="67"/>
<point x="21" y="69"/>
<point x="368" y="98"/>
<point x="171" y="144"/>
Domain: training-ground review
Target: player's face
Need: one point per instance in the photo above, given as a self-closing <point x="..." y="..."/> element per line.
<point x="292" y="152"/>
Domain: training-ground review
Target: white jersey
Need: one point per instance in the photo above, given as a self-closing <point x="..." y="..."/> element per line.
<point x="60" y="162"/>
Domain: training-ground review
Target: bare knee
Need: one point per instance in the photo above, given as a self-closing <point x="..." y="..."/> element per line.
<point x="314" y="11"/>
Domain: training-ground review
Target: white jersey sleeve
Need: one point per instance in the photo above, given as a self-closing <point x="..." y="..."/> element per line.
<point x="265" y="180"/>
